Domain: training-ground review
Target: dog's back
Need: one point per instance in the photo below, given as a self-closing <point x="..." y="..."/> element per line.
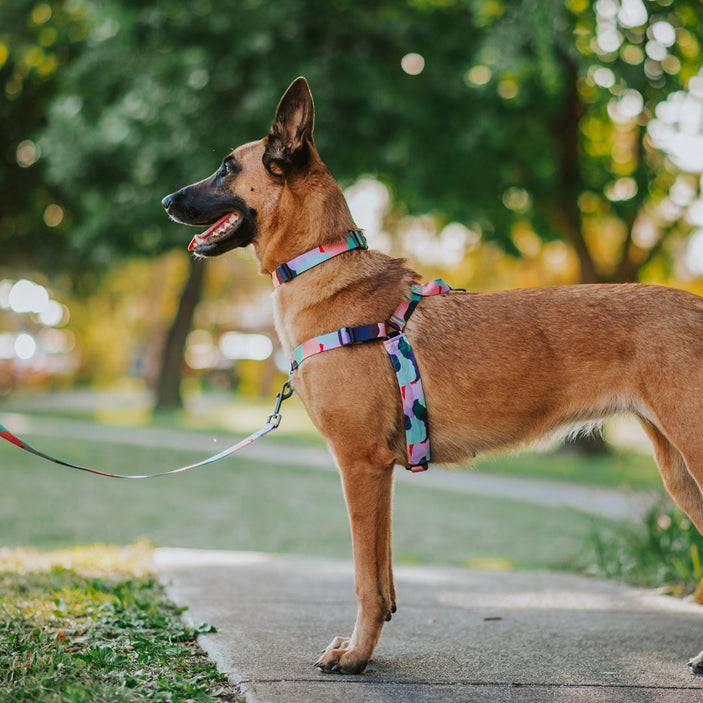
<point x="508" y="367"/>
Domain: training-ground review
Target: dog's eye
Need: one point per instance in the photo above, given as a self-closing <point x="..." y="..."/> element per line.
<point x="229" y="167"/>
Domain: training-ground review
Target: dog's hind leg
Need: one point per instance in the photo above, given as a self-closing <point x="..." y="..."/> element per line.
<point x="677" y="478"/>
<point x="368" y="492"/>
<point x="682" y="486"/>
<point x="391" y="580"/>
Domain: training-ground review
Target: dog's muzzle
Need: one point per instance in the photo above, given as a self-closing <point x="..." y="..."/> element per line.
<point x="230" y="222"/>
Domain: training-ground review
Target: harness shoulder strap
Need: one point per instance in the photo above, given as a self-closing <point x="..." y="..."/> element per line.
<point x="417" y="291"/>
<point x="402" y="358"/>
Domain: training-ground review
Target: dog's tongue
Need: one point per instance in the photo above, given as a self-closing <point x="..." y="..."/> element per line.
<point x="223" y="223"/>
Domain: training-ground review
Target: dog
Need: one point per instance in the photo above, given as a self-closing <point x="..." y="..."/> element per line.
<point x="498" y="370"/>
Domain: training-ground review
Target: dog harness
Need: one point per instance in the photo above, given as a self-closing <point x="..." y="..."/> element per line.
<point x="392" y="333"/>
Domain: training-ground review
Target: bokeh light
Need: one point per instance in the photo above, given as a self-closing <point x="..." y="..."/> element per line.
<point x="413" y="64"/>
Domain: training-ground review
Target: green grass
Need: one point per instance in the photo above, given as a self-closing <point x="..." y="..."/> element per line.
<point x="620" y="469"/>
<point x="664" y="550"/>
<point x="99" y="636"/>
<point x="244" y="505"/>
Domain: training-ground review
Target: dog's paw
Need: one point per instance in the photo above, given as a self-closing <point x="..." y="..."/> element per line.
<point x="338" y="658"/>
<point x="696" y="664"/>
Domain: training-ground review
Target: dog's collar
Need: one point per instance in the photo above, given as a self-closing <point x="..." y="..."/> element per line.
<point x="288" y="271"/>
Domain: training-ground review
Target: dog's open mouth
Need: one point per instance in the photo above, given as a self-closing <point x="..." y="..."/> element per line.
<point x="224" y="228"/>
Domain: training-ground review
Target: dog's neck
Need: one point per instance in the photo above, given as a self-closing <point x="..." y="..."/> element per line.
<point x="326" y="297"/>
<point x="317" y="215"/>
<point x="323" y="299"/>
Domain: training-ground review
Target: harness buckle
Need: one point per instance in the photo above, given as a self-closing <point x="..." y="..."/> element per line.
<point x="284" y="273"/>
<point x="392" y="330"/>
<point x="345" y="336"/>
<point x="359" y="239"/>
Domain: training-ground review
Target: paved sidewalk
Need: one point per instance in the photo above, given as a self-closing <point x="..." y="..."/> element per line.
<point x="459" y="635"/>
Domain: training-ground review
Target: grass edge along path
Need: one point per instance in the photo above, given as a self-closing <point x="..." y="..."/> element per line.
<point x="91" y="625"/>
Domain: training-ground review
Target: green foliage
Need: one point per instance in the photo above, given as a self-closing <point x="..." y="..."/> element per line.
<point x="151" y="96"/>
<point x="69" y="637"/>
<point x="35" y="40"/>
<point x="506" y="123"/>
<point x="665" y="551"/>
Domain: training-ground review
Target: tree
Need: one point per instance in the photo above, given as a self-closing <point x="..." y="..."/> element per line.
<point x="153" y="101"/>
<point x="504" y="115"/>
<point x="35" y="41"/>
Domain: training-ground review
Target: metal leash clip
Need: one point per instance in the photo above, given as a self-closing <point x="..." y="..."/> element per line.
<point x="285" y="393"/>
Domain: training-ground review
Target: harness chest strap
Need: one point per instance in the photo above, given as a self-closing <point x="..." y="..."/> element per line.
<point x="399" y="352"/>
<point x="407" y="373"/>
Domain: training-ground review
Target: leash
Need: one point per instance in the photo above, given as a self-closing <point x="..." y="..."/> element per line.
<point x="274" y="420"/>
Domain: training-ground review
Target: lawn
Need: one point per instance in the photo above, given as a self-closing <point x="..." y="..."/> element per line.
<point x="242" y="504"/>
<point x="96" y="628"/>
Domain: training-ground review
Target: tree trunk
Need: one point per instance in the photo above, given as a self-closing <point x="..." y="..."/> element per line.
<point x="569" y="189"/>
<point x="570" y="183"/>
<point x="168" y="389"/>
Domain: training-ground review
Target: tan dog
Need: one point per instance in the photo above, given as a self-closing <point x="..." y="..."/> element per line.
<point x="499" y="369"/>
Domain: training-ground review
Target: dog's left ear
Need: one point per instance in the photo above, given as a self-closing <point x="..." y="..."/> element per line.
<point x="291" y="132"/>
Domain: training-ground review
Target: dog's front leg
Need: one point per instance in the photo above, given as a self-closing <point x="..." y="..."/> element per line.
<point x="368" y="492"/>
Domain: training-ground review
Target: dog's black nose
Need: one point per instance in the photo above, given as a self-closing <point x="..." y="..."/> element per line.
<point x="167" y="201"/>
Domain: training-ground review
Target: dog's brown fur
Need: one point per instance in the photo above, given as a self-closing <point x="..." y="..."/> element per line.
<point x="499" y="369"/>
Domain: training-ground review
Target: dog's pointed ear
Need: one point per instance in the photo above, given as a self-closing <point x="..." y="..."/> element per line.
<point x="291" y="132"/>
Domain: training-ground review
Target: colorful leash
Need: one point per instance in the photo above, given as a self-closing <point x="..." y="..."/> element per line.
<point x="272" y="423"/>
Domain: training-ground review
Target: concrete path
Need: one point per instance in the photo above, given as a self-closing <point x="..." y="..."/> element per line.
<point x="459" y="635"/>
<point x="594" y="500"/>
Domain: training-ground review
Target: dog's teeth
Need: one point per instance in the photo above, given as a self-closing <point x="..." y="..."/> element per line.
<point x="212" y="234"/>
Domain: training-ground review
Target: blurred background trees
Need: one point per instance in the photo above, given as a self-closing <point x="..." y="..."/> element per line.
<point x="499" y="143"/>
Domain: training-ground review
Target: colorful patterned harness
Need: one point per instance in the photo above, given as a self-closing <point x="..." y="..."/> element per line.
<point x="397" y="346"/>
